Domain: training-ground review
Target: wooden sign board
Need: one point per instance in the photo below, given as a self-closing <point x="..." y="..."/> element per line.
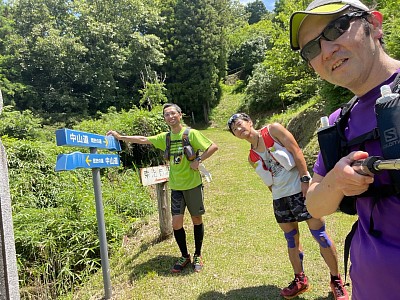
<point x="154" y="175"/>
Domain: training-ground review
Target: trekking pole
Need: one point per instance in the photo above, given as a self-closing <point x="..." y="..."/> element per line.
<point x="373" y="164"/>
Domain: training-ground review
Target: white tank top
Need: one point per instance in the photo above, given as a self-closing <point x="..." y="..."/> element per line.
<point x="285" y="183"/>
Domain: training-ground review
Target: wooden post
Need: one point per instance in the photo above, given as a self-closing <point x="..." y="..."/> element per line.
<point x="164" y="210"/>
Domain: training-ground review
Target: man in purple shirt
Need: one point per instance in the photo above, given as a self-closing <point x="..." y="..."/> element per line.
<point x="342" y="41"/>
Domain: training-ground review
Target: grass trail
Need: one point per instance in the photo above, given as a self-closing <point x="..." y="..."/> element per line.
<point x="244" y="250"/>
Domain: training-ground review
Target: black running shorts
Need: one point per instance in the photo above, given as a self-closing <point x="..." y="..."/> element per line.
<point x="291" y="209"/>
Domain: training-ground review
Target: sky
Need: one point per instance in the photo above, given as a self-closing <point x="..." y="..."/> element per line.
<point x="269" y="4"/>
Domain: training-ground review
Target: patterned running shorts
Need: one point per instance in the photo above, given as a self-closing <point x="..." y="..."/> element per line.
<point x="291" y="209"/>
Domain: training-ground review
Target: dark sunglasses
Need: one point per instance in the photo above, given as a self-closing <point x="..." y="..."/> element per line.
<point x="235" y="117"/>
<point x="330" y="33"/>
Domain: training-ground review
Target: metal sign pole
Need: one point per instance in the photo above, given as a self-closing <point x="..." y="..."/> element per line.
<point x="94" y="161"/>
<point x="102" y="230"/>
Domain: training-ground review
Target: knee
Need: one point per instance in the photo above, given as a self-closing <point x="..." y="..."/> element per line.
<point x="289" y="236"/>
<point x="197" y="220"/>
<point x="177" y="222"/>
<point x="321" y="237"/>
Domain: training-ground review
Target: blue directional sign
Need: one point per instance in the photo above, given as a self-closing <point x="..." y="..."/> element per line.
<point x="75" y="160"/>
<point x="68" y="137"/>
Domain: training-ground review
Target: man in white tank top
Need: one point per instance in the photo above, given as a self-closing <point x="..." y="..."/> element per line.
<point x="289" y="185"/>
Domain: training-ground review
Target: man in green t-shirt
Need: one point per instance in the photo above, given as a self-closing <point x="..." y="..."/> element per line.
<point x="184" y="180"/>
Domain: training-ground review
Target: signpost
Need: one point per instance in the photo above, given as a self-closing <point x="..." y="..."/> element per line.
<point x="75" y="160"/>
<point x="68" y="137"/>
<point x="94" y="161"/>
<point x="159" y="176"/>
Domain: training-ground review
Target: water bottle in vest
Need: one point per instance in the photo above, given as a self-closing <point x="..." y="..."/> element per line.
<point x="324" y="122"/>
<point x="387" y="109"/>
<point x="387" y="94"/>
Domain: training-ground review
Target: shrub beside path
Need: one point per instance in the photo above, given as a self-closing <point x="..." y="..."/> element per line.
<point x="244" y="250"/>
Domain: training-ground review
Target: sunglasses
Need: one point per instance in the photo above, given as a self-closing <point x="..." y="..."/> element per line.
<point x="235" y="117"/>
<point x="330" y="33"/>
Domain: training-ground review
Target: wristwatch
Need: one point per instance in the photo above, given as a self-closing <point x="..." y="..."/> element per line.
<point x="198" y="158"/>
<point x="305" y="178"/>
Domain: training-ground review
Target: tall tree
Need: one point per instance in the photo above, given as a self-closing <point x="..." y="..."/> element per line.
<point x="257" y="11"/>
<point x="248" y="46"/>
<point x="197" y="55"/>
<point x="78" y="57"/>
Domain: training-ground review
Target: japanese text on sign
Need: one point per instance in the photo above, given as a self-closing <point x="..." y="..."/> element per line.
<point x="154" y="175"/>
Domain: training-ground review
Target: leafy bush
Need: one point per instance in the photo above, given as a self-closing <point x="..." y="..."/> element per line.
<point x="334" y="96"/>
<point x="247" y="47"/>
<point x="54" y="216"/>
<point x="247" y="55"/>
<point x="33" y="181"/>
<point x="262" y="92"/>
<point x="391" y="26"/>
<point x="282" y="78"/>
<point x="133" y="122"/>
<point x="21" y="125"/>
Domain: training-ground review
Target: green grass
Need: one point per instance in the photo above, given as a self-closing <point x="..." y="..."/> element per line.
<point x="229" y="104"/>
<point x="244" y="250"/>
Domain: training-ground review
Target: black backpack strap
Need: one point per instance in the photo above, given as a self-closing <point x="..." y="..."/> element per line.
<point x="371" y="135"/>
<point x="344" y="116"/>
<point x="168" y="146"/>
<point x="372" y="231"/>
<point x="346" y="108"/>
<point x="185" y="137"/>
<point x="347" y="243"/>
<point x="188" y="150"/>
<point x="345" y="113"/>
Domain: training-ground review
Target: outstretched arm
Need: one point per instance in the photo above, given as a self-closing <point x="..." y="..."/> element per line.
<point x="136" y="139"/>
<point x="326" y="193"/>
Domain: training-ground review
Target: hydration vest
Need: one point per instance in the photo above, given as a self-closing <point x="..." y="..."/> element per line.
<point x="334" y="145"/>
<point x="187" y="148"/>
<point x="278" y="153"/>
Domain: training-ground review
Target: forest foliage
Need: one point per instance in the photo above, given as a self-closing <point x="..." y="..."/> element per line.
<point x="100" y="65"/>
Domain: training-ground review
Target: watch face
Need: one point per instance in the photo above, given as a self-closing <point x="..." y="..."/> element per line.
<point x="305" y="178"/>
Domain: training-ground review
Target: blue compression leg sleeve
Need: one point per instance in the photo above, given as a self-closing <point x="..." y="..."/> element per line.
<point x="321" y="237"/>
<point x="289" y="236"/>
<point x="301" y="255"/>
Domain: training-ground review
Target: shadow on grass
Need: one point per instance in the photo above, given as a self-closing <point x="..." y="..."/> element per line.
<point x="160" y="265"/>
<point x="269" y="292"/>
<point x="144" y="247"/>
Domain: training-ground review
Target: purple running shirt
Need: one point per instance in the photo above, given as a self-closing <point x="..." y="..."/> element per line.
<point x="375" y="261"/>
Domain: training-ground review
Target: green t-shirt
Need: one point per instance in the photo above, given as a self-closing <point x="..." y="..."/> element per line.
<point x="181" y="176"/>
